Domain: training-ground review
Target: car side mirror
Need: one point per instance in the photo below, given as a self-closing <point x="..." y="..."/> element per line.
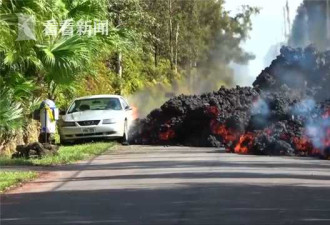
<point x="128" y="108"/>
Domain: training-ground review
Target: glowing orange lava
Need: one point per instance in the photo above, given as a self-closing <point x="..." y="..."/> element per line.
<point x="213" y="110"/>
<point x="303" y="144"/>
<point x="245" y="143"/>
<point x="167" y="135"/>
<point x="227" y="134"/>
<point x="326" y="141"/>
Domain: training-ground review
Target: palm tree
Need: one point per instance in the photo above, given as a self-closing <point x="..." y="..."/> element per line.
<point x="32" y="68"/>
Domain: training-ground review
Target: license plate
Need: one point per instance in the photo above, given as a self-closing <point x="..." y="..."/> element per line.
<point x="88" y="130"/>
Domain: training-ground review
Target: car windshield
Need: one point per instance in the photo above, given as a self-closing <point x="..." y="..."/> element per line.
<point x="95" y="104"/>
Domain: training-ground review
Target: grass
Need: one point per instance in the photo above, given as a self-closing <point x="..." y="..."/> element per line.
<point x="12" y="178"/>
<point x="66" y="155"/>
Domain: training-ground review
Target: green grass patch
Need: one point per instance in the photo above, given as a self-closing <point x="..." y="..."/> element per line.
<point x="66" y="155"/>
<point x="12" y="178"/>
<point x="7" y="161"/>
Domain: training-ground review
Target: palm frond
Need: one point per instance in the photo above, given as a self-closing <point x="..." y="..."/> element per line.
<point x="10" y="112"/>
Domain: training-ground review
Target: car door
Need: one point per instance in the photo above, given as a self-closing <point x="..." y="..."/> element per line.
<point x="127" y="110"/>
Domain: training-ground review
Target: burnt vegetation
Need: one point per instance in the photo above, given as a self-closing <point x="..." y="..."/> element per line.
<point x="286" y="112"/>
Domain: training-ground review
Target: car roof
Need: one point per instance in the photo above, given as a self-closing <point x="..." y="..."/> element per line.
<point x="99" y="96"/>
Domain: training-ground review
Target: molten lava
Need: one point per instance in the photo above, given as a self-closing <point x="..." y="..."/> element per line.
<point x="274" y="117"/>
<point x="228" y="135"/>
<point x="167" y="135"/>
<point x="213" y="111"/>
<point x="327" y="138"/>
<point x="245" y="143"/>
<point x="166" y="132"/>
<point x="303" y="144"/>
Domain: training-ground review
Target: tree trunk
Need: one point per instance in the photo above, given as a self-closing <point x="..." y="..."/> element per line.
<point x="51" y="91"/>
<point x="119" y="70"/>
<point x="328" y="20"/>
<point x="119" y="57"/>
<point x="156" y="54"/>
<point x="176" y="47"/>
<point x="170" y="32"/>
<point x="189" y="78"/>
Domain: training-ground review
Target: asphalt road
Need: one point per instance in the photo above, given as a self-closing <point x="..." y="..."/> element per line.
<point x="175" y="185"/>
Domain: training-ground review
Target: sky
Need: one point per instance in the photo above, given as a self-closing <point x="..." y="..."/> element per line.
<point x="268" y="30"/>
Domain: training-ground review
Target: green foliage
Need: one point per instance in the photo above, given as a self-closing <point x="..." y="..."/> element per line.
<point x="10" y="113"/>
<point x="12" y="178"/>
<point x="15" y="96"/>
<point x="160" y="42"/>
<point x="31" y="70"/>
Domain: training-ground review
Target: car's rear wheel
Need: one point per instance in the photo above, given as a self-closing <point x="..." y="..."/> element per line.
<point x="124" y="139"/>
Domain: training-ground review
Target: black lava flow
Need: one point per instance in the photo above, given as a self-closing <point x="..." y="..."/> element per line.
<point x="286" y="112"/>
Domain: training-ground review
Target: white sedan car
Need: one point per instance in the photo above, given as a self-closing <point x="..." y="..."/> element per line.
<point x="97" y="116"/>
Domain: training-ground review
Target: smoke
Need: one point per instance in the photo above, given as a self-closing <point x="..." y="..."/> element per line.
<point x="304" y="108"/>
<point x="260" y="107"/>
<point x="318" y="132"/>
<point x="309" y="27"/>
<point x="317" y="125"/>
<point x="208" y="41"/>
<point x="312" y="25"/>
<point x="201" y="80"/>
<point x="242" y="74"/>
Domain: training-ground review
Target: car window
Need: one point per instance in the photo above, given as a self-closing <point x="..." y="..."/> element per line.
<point x="125" y="104"/>
<point x="95" y="104"/>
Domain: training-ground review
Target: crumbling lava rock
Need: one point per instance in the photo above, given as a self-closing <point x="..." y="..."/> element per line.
<point x="285" y="113"/>
<point x="303" y="72"/>
<point x="186" y="119"/>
